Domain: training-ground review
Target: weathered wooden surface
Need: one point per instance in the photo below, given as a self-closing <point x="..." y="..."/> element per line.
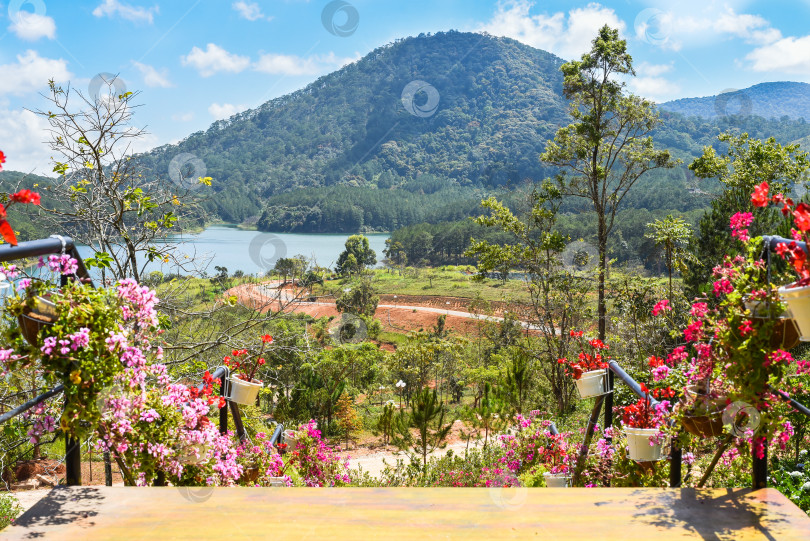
<point x="123" y="513"/>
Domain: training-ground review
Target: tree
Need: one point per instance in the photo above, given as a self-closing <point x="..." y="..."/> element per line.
<point x="359" y="300"/>
<point x="607" y="148"/>
<point x="285" y="266"/>
<point x="395" y="254"/>
<point x="427" y="416"/>
<point x="491" y="413"/>
<point x="558" y="296"/>
<point x="103" y="201"/>
<point x="356" y="257"/>
<point x="673" y="234"/>
<point x="348" y="421"/>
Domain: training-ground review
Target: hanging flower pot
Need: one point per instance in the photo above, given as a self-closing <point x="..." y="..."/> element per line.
<point x="592" y="384"/>
<point x="243" y="392"/>
<point x="701" y="413"/>
<point x="249" y="476"/>
<point x="639" y="447"/>
<point x="785" y="334"/>
<point x="557" y="480"/>
<point x="798" y="300"/>
<point x="32" y="320"/>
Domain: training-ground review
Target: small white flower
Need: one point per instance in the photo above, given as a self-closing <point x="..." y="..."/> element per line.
<point x="806" y="486"/>
<point x="796" y="474"/>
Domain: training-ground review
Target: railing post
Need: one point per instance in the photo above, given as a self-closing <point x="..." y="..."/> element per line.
<point x="676" y="459"/>
<point x="223" y="411"/>
<point x="609" y="401"/>
<point x="759" y="466"/>
<point x="73" y="461"/>
<point x="107" y="469"/>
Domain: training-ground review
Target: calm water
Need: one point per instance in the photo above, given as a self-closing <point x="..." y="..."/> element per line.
<point x="254" y="252"/>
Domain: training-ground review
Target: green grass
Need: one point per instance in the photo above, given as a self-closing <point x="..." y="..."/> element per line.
<point x="447" y="281"/>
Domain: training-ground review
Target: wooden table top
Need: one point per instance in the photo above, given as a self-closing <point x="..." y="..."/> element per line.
<point x="361" y="514"/>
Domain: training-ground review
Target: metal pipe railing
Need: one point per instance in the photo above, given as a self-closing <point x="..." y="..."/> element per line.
<point x="630" y="382"/>
<point x="31" y="403"/>
<point x="770" y="242"/>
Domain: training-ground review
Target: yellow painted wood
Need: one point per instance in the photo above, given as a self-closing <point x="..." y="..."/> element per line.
<point x="361" y="514"/>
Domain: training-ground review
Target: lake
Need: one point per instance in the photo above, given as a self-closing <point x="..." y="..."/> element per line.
<point x="254" y="252"/>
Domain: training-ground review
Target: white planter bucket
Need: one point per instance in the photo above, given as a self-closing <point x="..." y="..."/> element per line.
<point x="591" y="384"/>
<point x="638" y="444"/>
<point x="243" y="392"/>
<point x="291" y="439"/>
<point x="557" y="480"/>
<point x="798" y="301"/>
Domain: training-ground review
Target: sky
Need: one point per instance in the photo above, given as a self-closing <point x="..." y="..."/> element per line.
<point x="197" y="61"/>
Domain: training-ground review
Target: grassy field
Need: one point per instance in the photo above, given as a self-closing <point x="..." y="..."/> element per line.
<point x="445" y="281"/>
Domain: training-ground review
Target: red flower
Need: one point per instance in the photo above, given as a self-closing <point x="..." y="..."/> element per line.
<point x="260" y="361"/>
<point x="760" y="196"/>
<point x="802" y="216"/>
<point x="745" y="328"/>
<point x="654" y="362"/>
<point x="25" y="196"/>
<point x="2" y="159"/>
<point x="267" y="339"/>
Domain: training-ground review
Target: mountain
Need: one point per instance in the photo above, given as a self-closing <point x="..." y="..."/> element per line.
<point x="418" y="131"/>
<point x="768" y="100"/>
<point x="498" y="101"/>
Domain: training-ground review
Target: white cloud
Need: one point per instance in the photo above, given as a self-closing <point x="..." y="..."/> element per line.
<point x="700" y="25"/>
<point x="226" y="110"/>
<point x="32" y="26"/>
<point x="567" y="36"/>
<point x="30" y="73"/>
<point x="214" y="59"/>
<point x="281" y="64"/>
<point x="111" y="8"/>
<point x="22" y="133"/>
<point x="649" y="84"/>
<point x="751" y="28"/>
<point x="183" y="117"/>
<point x="152" y="77"/>
<point x="789" y="55"/>
<point x="249" y="10"/>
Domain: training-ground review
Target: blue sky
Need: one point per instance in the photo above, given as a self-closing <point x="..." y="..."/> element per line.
<point x="196" y="61"/>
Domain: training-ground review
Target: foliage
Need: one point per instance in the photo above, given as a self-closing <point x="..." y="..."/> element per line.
<point x="673" y="234"/>
<point x="747" y="163"/>
<point x="95" y="336"/>
<point x="349" y="423"/>
<point x="791" y="478"/>
<point x="557" y="294"/>
<point x="10" y="508"/>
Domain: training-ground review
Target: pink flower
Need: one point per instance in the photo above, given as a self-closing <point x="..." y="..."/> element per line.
<point x="661" y="306"/>
<point x="722" y="286"/>
<point x="739" y="223"/>
<point x="699" y="310"/>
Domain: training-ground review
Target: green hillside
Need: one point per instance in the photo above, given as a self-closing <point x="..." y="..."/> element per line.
<point x="353" y="151"/>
